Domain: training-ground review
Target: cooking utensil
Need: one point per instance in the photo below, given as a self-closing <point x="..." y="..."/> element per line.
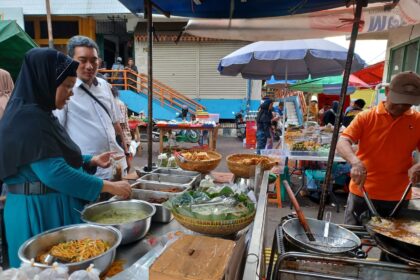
<point x="42" y="242"/>
<point x="327" y="224"/>
<point x="398" y="206"/>
<point x="339" y="241"/>
<point x="130" y="231"/>
<point x="367" y="199"/>
<point x="299" y="212"/>
<point x="402" y="249"/>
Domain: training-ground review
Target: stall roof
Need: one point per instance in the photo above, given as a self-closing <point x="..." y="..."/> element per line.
<point x="372" y="74"/>
<point x="14" y="43"/>
<point x="236" y="8"/>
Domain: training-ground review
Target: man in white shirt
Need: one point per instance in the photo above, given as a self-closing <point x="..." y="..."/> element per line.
<point x="91" y="117"/>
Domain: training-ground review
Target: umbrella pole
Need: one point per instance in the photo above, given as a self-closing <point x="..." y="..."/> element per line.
<point x="148" y="5"/>
<point x="359" y="5"/>
<point x="283" y="128"/>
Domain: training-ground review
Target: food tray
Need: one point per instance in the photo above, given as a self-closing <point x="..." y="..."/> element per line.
<point x="160" y="187"/>
<point x="162" y="214"/>
<point x="168" y="179"/>
<point x="180" y="172"/>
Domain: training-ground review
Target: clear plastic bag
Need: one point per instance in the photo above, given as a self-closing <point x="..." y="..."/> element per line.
<point x="172" y="162"/>
<point x="13" y="274"/>
<point x="56" y="272"/>
<point x="30" y="269"/>
<point x="140" y="269"/>
<point x="162" y="160"/>
<point x="89" y="274"/>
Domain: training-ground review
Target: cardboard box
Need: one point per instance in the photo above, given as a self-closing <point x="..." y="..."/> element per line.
<point x="193" y="257"/>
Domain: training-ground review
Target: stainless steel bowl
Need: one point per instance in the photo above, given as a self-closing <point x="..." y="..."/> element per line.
<point x="131" y="231"/>
<point x="42" y="242"/>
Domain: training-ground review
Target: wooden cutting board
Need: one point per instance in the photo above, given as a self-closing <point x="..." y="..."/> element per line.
<point x="193" y="258"/>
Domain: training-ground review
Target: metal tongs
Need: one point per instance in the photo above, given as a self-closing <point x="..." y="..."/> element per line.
<point x="367" y="199"/>
<point x="398" y="206"/>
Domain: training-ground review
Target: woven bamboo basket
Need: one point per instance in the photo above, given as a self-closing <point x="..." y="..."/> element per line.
<point x="203" y="166"/>
<point x="235" y="165"/>
<point x="217" y="228"/>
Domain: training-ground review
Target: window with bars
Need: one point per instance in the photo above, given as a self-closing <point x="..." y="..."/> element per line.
<point x="405" y="57"/>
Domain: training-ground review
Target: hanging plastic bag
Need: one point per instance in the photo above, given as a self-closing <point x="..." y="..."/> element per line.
<point x="89" y="274"/>
<point x="13" y="274"/>
<point x="162" y="160"/>
<point x="172" y="162"/>
<point x="30" y="269"/>
<point x="56" y="272"/>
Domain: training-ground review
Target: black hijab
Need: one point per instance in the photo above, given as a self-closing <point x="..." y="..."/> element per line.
<point x="28" y="130"/>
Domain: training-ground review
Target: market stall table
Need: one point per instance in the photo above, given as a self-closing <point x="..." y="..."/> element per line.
<point x="310" y="156"/>
<point x="131" y="253"/>
<point x="213" y="131"/>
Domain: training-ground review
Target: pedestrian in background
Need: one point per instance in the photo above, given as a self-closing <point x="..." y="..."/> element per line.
<point x="263" y="120"/>
<point x="6" y="88"/>
<point x="132" y="74"/>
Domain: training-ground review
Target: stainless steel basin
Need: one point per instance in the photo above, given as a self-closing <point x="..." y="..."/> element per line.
<point x="42" y="242"/>
<point x="162" y="214"/>
<point x="160" y="187"/>
<point x="180" y="172"/>
<point x="168" y="179"/>
<point x="130" y="231"/>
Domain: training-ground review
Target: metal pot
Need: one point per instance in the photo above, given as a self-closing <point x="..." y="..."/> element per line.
<point x="130" y="231"/>
<point x="339" y="240"/>
<point x="42" y="242"/>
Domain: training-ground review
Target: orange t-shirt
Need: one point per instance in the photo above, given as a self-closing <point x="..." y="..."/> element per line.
<point x="385" y="147"/>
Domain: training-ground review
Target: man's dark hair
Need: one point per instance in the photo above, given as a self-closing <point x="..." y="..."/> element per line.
<point x="360" y="103"/>
<point x="80" y="41"/>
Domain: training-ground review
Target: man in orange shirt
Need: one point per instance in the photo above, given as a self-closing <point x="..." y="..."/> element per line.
<point x="387" y="135"/>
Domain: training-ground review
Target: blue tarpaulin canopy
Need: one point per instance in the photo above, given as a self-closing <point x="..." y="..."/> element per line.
<point x="235" y="8"/>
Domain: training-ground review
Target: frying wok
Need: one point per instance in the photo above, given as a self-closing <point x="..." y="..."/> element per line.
<point x="403" y="249"/>
<point x="340" y="240"/>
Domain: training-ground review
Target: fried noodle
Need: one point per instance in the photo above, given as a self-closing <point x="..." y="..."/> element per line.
<point x="79" y="250"/>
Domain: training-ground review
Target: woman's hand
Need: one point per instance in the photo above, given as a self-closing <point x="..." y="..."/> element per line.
<point x="358" y="172"/>
<point x="414" y="173"/>
<point x="119" y="188"/>
<point x="103" y="160"/>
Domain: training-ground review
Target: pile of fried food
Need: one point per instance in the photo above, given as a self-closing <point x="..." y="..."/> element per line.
<point x="196" y="156"/>
<point x="305" y="146"/>
<point x="254" y="161"/>
<point x="403" y="230"/>
<point x="75" y="250"/>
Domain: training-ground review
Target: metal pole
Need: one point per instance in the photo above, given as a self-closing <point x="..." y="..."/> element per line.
<point x="148" y="4"/>
<point x="359" y="5"/>
<point x="49" y="25"/>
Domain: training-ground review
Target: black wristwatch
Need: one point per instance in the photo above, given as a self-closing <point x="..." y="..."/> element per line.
<point x="127" y="154"/>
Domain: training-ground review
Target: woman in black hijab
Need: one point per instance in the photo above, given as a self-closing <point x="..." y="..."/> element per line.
<point x="264" y="117"/>
<point x="43" y="168"/>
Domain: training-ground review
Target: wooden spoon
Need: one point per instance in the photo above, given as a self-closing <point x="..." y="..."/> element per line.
<point x="299" y="212"/>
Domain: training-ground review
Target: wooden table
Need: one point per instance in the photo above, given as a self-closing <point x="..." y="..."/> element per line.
<point x="213" y="131"/>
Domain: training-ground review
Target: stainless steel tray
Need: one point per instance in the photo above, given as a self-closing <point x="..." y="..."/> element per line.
<point x="179" y="172"/>
<point x="162" y="214"/>
<point x="160" y="187"/>
<point x="167" y="179"/>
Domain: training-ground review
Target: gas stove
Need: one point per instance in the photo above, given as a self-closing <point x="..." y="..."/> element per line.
<point x="288" y="261"/>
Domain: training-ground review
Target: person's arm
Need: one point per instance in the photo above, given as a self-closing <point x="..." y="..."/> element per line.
<point x="414" y="173"/>
<point x="58" y="175"/>
<point x="119" y="132"/>
<point x="352" y="134"/>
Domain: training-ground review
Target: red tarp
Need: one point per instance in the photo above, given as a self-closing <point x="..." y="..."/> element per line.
<point x="372" y="74"/>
